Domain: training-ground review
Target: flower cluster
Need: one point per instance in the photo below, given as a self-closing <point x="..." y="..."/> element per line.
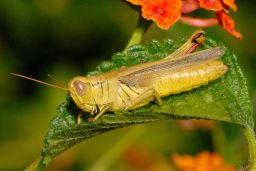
<point x="202" y="161"/>
<point x="166" y="12"/>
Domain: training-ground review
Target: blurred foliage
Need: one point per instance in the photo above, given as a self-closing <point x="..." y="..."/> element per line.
<point x="65" y="38"/>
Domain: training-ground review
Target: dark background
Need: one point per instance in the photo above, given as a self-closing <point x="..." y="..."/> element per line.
<point x="66" y="38"/>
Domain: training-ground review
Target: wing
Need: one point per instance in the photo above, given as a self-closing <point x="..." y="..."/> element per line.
<point x="143" y="76"/>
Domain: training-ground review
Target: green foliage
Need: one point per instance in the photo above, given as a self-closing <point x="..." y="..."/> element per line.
<point x="225" y="99"/>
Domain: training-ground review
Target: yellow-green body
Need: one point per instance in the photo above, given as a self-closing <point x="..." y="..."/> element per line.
<point x="107" y="88"/>
<point x="132" y="87"/>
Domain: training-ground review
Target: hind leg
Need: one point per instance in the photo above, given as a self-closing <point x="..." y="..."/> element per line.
<point x="151" y="93"/>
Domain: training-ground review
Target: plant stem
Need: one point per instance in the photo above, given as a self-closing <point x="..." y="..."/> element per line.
<point x="141" y="28"/>
<point x="252" y="147"/>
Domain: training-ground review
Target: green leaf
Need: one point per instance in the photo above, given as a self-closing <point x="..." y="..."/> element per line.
<point x="225" y="99"/>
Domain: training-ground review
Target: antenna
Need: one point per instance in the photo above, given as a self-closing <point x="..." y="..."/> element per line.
<point x="57" y="81"/>
<point x="41" y="82"/>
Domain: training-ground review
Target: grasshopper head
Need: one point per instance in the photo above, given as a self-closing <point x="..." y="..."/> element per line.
<point x="81" y="92"/>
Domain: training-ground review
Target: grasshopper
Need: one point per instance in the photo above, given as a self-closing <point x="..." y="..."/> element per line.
<point x="133" y="87"/>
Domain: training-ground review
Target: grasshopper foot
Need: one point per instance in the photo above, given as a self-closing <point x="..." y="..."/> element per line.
<point x="91" y="119"/>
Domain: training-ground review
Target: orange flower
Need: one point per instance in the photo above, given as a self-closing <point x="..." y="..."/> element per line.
<point x="202" y="161"/>
<point x="163" y="12"/>
<point x="166" y="12"/>
<point x="221" y="7"/>
<point x="231" y="4"/>
<point x="214" y="5"/>
<point x="217" y="5"/>
<point x="228" y="23"/>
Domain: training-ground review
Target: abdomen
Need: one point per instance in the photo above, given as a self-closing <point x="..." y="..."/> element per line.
<point x="189" y="78"/>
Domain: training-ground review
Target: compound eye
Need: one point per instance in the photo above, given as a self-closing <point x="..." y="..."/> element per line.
<point x="199" y="38"/>
<point x="80" y="87"/>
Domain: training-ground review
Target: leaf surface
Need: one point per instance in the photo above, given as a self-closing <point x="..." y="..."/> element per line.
<point x="225" y="99"/>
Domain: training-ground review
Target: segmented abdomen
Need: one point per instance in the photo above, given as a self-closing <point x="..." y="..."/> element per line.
<point x="189" y="78"/>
